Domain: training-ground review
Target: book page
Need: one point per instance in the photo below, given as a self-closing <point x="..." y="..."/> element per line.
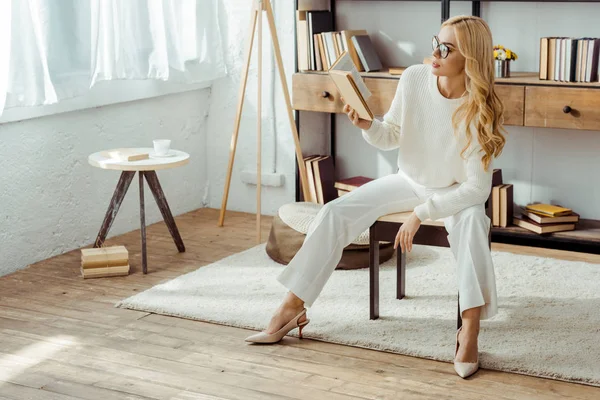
<point x="345" y="63"/>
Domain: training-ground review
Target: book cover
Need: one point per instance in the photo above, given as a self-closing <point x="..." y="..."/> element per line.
<point x="325" y="179"/>
<point x="126" y="154"/>
<point x="352" y="183"/>
<point x="548" y="209"/>
<point x="524" y="222"/>
<point x="496" y="205"/>
<point x="506" y="205"/>
<point x="347" y="39"/>
<point x="351" y="94"/>
<point x="544" y="58"/>
<point x="366" y="52"/>
<point x="318" y="22"/>
<point x="543" y="219"/>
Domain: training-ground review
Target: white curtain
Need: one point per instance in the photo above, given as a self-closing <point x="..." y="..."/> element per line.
<point x="56" y="49"/>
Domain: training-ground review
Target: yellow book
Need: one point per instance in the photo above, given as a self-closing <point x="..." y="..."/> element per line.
<point x="548" y="209"/>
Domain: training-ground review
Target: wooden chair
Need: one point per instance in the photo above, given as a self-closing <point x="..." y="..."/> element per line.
<point x="432" y="233"/>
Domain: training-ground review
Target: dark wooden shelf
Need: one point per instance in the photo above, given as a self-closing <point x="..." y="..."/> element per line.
<point x="585" y="237"/>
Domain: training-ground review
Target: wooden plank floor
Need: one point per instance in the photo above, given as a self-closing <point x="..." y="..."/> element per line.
<point x="62" y="338"/>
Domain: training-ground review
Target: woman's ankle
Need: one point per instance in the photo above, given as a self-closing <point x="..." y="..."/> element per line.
<point x="293" y="301"/>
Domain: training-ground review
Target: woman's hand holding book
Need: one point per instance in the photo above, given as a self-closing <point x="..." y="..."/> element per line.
<point x="353" y="116"/>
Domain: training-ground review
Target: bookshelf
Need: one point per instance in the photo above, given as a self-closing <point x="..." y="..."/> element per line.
<point x="529" y="102"/>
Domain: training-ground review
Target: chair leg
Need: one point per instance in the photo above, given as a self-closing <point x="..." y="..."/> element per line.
<point x="400" y="275"/>
<point x="373" y="274"/>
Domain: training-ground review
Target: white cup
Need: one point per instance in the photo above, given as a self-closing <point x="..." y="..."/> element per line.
<point x="162" y="146"/>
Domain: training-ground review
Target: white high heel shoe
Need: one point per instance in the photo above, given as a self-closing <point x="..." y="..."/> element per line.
<point x="464" y="369"/>
<point x="263" y="337"/>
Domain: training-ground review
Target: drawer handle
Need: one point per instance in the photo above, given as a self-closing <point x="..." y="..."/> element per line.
<point x="325" y="94"/>
<point x="567" y="109"/>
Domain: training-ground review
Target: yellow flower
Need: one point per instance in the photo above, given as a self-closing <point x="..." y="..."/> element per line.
<point x="495" y="53"/>
<point x="508" y="54"/>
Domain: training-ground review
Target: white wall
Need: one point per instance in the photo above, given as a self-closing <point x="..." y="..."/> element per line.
<point x="548" y="165"/>
<point x="53" y="201"/>
<point x="277" y="143"/>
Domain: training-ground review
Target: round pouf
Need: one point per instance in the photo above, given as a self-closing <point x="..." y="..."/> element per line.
<point x="289" y="228"/>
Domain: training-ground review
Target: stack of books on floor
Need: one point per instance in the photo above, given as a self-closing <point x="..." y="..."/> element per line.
<point x="321" y="178"/>
<point x="546" y="218"/>
<point x="349" y="184"/>
<point x="104" y="261"/>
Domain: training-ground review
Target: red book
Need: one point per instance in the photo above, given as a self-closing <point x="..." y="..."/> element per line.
<point x="350" y="184"/>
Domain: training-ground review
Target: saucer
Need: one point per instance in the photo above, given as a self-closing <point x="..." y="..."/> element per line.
<point x="169" y="154"/>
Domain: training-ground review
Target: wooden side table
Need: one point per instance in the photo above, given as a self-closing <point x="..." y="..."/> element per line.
<point x="146" y="168"/>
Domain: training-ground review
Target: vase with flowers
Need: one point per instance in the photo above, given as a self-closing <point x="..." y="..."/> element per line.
<point x="503" y="58"/>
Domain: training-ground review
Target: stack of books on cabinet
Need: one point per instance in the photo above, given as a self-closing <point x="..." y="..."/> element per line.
<point x="569" y="59"/>
<point x="319" y="46"/>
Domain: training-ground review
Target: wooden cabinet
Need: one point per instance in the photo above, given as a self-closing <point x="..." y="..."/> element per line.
<point x="527" y="100"/>
<point x="513" y="98"/>
<point x="316" y="92"/>
<point x="560" y="107"/>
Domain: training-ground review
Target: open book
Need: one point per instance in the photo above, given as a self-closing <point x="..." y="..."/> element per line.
<point x="351" y="85"/>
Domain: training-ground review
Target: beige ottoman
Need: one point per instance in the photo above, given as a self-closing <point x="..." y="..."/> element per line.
<point x="289" y="229"/>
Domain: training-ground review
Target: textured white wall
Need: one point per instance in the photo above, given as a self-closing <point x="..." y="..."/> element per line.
<point x="549" y="165"/>
<point x="53" y="201"/>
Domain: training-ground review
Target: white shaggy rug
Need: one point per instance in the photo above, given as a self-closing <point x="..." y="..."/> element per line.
<point x="548" y="323"/>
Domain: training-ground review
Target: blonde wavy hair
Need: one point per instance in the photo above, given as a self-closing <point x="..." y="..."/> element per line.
<point x="482" y="107"/>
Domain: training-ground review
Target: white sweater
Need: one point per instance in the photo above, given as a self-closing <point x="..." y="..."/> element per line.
<point x="419" y="125"/>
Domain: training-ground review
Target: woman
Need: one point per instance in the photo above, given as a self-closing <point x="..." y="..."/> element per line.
<point x="445" y="120"/>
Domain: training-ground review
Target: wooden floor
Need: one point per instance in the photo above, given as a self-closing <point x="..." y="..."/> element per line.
<point x="62" y="338"/>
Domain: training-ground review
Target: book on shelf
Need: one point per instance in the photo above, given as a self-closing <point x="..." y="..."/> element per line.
<point x="349" y="184"/>
<point x="506" y="205"/>
<point x="569" y="59"/>
<point x="531" y="225"/>
<point x="550" y="210"/>
<point x="321" y="179"/>
<point x="552" y="218"/>
<point x="351" y="86"/>
<point x="367" y="53"/>
<point x="544" y="219"/>
<point x="318" y="45"/>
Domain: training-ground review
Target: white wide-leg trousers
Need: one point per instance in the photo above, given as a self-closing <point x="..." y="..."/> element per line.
<point x="340" y="221"/>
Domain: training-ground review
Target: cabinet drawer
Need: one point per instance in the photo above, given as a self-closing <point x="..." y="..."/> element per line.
<point x="317" y="92"/>
<point x="513" y="98"/>
<point x="556" y="107"/>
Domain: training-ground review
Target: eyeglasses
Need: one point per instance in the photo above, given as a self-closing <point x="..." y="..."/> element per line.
<point x="444" y="49"/>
